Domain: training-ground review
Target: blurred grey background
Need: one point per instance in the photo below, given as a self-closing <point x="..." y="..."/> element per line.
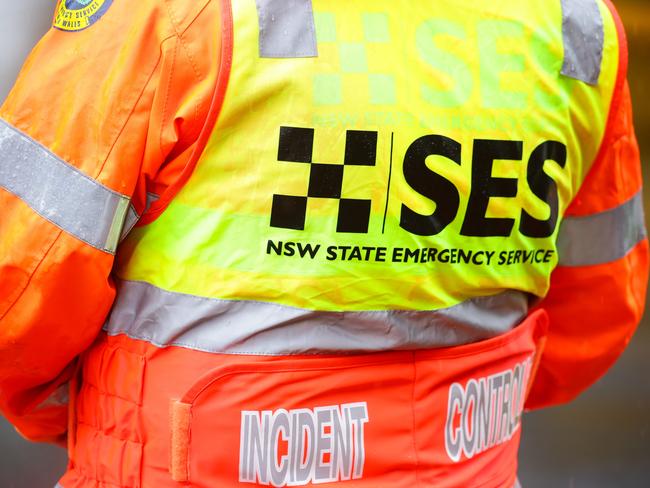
<point x="602" y="440"/>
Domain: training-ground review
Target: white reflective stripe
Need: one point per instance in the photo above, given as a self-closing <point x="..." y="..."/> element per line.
<point x="59" y="192"/>
<point x="145" y="312"/>
<point x="517" y="484"/>
<point x="58" y="485"/>
<point x="287" y="29"/>
<point x="583" y="34"/>
<point x="603" y="237"/>
<point x="132" y="216"/>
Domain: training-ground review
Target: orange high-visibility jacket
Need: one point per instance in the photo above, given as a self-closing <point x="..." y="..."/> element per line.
<point x="117" y="110"/>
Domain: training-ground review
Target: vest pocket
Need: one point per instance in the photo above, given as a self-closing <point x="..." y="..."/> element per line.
<point x="399" y="419"/>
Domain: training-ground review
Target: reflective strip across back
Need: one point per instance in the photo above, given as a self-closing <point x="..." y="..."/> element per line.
<point x="163" y="318"/>
<point x="603" y="237"/>
<point x="583" y="33"/>
<point x="286" y="29"/>
<point x="59" y="192"/>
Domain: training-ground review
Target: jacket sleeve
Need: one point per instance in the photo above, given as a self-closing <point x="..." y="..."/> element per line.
<point x="597" y="292"/>
<point x="97" y="119"/>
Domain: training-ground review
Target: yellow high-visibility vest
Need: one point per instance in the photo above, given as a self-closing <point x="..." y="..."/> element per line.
<point x="380" y="155"/>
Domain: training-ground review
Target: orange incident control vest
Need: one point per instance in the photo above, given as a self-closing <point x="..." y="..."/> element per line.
<point x="342" y="291"/>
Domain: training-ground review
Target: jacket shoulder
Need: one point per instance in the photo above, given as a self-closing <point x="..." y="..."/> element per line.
<point x="112" y="15"/>
<point x="183" y="13"/>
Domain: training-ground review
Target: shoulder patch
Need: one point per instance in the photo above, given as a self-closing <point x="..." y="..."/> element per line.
<point x="76" y="15"/>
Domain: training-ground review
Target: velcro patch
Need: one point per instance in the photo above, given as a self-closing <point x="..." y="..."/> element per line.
<point x="77" y="15"/>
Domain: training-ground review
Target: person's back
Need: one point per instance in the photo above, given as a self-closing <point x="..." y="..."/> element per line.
<point x="338" y="223"/>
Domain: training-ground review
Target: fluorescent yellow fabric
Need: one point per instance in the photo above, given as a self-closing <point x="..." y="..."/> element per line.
<point x="447" y="74"/>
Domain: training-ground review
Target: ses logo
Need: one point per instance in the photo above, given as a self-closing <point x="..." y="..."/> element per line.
<point x="76" y="15"/>
<point x="326" y="181"/>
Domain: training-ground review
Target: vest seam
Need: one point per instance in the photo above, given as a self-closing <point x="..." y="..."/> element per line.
<point x="167" y="95"/>
<point x="176" y="25"/>
<point x="177" y="36"/>
<point x="216" y="105"/>
<point x="132" y="111"/>
<point x="191" y="22"/>
<point x="197" y="74"/>
<point x="172" y="17"/>
<point x="183" y="44"/>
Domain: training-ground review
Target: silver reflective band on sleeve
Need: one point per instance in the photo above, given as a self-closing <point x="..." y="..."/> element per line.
<point x="145" y="312"/>
<point x="59" y="192"/>
<point x="603" y="237"/>
<point x="132" y="216"/>
<point x="583" y="34"/>
<point x="287" y="29"/>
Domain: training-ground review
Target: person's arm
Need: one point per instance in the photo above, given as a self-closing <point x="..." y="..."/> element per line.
<point x="97" y="118"/>
<point x="597" y="293"/>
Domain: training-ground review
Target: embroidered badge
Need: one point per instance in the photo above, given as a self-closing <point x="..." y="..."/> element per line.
<point x="76" y="15"/>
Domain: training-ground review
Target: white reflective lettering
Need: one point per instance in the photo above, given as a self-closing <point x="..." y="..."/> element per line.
<point x="485" y="412"/>
<point x="452" y="434"/>
<point x="323" y="445"/>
